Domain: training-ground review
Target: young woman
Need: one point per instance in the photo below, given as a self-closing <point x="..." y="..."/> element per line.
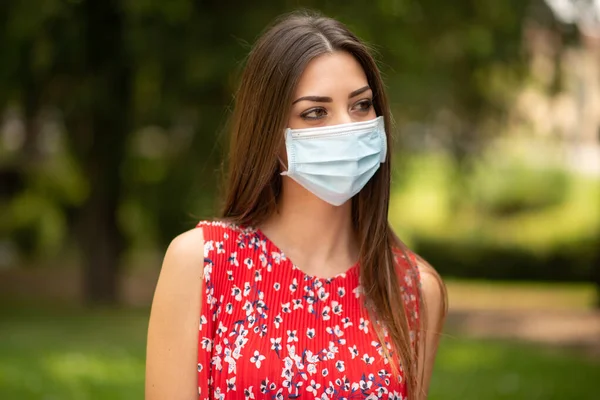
<point x="300" y="289"/>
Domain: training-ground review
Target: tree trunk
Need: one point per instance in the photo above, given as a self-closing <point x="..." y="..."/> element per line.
<point x="100" y="139"/>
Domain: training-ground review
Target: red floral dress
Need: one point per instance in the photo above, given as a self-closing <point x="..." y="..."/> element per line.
<point x="270" y="331"/>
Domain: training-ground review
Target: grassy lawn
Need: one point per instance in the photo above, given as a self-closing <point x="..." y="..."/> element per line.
<point x="67" y="354"/>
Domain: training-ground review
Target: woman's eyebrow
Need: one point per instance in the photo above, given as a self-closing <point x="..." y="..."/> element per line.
<point x="358" y="91"/>
<point x="325" y="99"/>
<point x="318" y="99"/>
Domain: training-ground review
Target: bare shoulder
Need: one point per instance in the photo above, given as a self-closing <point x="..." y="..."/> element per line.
<point x="186" y="249"/>
<point x="435" y="306"/>
<point x="172" y="347"/>
<point x="433" y="289"/>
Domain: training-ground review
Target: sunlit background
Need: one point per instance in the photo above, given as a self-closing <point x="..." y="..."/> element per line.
<point x="112" y="132"/>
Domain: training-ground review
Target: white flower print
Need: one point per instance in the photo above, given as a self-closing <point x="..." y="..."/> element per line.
<point x="276" y="257"/>
<point x="208" y="247"/>
<point x="263" y="260"/>
<point x="297" y="304"/>
<point x="218" y="394"/>
<point x="294" y="285"/>
<point x="340" y="365"/>
<point x="346" y="321"/>
<point x="292" y="336"/>
<point x="285" y="308"/>
<point x="311" y="358"/>
<point x="216" y="362"/>
<point x="313" y="387"/>
<point x="381" y="391"/>
<point x="260" y="307"/>
<point x="277" y="321"/>
<point x="220" y="248"/>
<point x="221" y="329"/>
<point x="277" y="286"/>
<point x="365" y="385"/>
<point x="336" y="307"/>
<point x="206" y="343"/>
<point x="367" y="359"/>
<point x="310" y="333"/>
<point x="249" y="263"/>
<point x="341" y="291"/>
<point x="323" y="295"/>
<point x="325" y="313"/>
<point x="241" y="341"/>
<point x="257" y="358"/>
<point x="257" y="276"/>
<point x="249" y="393"/>
<point x="295" y="357"/>
<point x="236" y="292"/>
<point x="233" y="259"/>
<point x="247" y="289"/>
<point x="330" y="390"/>
<point x="364" y="325"/>
<point x="276" y="344"/>
<point x="230" y="383"/>
<point x="229" y="275"/>
<point x="335" y="331"/>
<point x="248" y="307"/>
<point x="353" y="351"/>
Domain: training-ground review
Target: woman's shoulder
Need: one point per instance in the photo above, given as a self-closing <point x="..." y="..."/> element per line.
<point x="185" y="250"/>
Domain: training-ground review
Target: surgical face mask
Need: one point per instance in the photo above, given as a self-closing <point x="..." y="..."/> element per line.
<point x="336" y="162"/>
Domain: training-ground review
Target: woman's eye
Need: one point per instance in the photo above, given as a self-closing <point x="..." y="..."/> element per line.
<point x="315" y="113"/>
<point x="363" y="105"/>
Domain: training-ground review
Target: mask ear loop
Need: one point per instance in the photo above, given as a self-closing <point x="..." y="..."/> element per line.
<point x="284" y="169"/>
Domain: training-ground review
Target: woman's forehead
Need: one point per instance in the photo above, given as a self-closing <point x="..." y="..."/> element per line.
<point x="330" y="74"/>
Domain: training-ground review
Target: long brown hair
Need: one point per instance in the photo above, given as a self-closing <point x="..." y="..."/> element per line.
<point x="261" y="112"/>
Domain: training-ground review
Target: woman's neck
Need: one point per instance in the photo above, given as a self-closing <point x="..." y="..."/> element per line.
<point x="318" y="237"/>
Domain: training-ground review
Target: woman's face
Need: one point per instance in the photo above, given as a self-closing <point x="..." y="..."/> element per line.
<point x="332" y="90"/>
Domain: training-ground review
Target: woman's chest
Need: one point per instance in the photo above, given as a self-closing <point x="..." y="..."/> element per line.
<point x="301" y="337"/>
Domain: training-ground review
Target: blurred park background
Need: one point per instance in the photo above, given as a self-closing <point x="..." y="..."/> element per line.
<point x="113" y="124"/>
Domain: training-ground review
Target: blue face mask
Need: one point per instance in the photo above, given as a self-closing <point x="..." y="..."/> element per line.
<point x="336" y="162"/>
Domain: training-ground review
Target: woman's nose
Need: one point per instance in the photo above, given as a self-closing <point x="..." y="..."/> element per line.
<point x="342" y="117"/>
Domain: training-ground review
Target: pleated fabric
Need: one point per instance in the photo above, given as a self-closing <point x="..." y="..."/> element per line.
<point x="269" y="331"/>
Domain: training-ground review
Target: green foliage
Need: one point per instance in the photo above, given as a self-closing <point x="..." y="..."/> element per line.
<point x="503" y="190"/>
<point x="143" y="103"/>
<point x="509" y="221"/>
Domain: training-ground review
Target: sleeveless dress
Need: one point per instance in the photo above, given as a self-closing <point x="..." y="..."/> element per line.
<point x="270" y="331"/>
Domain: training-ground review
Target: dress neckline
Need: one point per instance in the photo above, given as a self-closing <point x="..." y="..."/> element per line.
<point x="351" y="271"/>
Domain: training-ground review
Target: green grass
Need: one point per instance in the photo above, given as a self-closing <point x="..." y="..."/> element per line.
<point x="468" y="369"/>
<point x="70" y="354"/>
